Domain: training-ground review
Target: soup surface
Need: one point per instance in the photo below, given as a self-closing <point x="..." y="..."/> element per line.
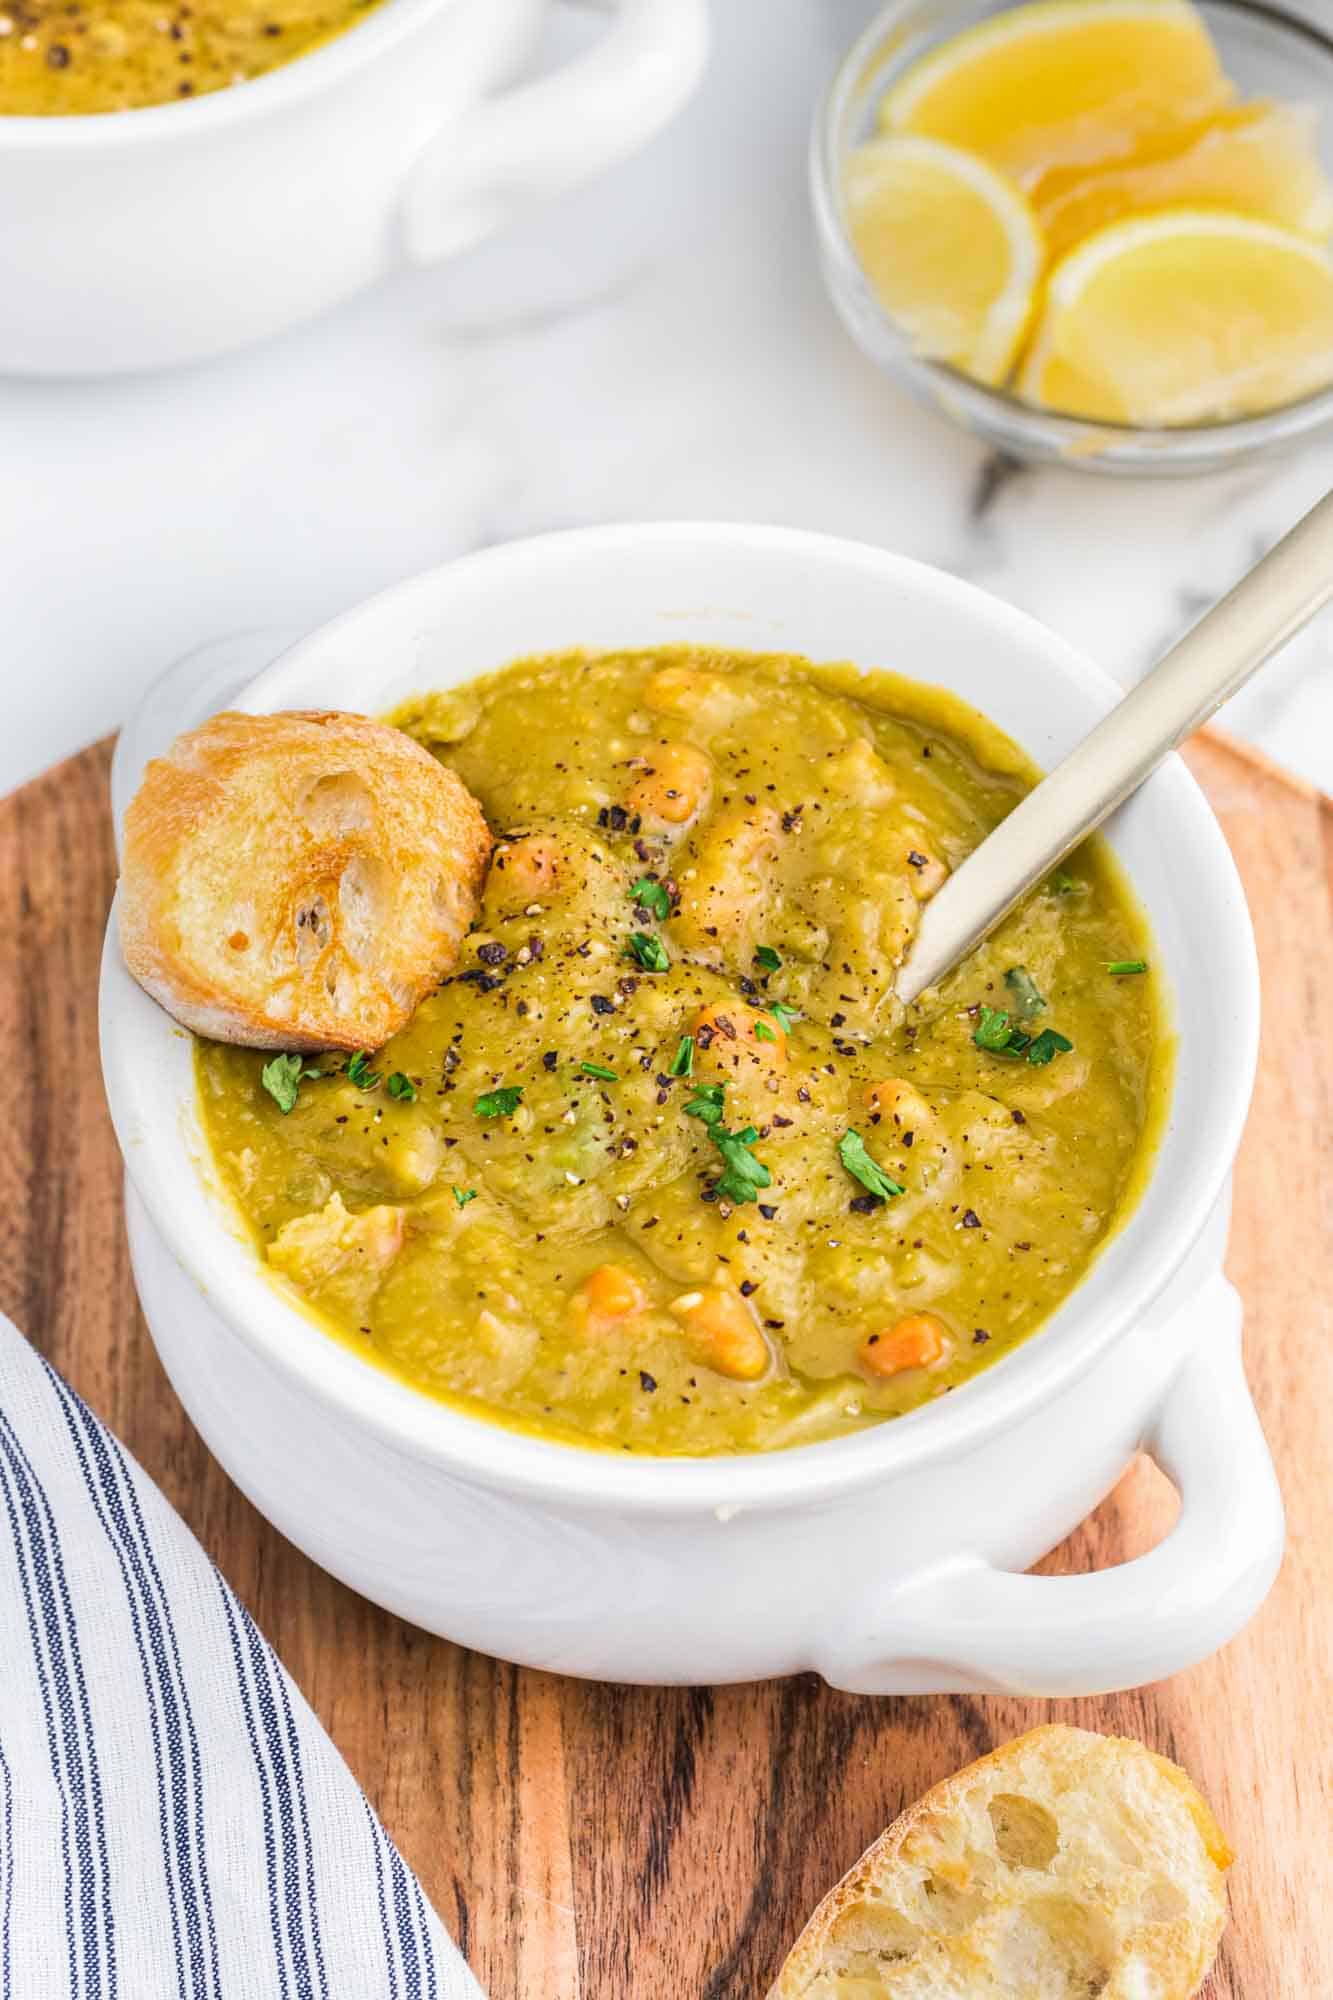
<point x="665" y="1166"/>
<point x="67" y="56"/>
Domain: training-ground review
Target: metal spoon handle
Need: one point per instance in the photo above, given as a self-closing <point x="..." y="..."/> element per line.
<point x="1214" y="659"/>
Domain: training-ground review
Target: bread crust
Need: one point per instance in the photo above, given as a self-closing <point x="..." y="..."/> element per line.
<point x="880" y="1860"/>
<point x="298" y="881"/>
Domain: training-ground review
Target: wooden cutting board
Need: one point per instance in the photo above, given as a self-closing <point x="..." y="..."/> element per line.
<point x="608" y="1843"/>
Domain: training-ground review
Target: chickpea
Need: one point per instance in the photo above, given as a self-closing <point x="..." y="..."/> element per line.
<point x="898" y="1103"/>
<point x="674" y="787"/>
<point x="737" y="1038"/>
<point x="726" y="1330"/>
<point x="918" y="1341"/>
<point x="532" y="870"/>
<point x="680" y="690"/>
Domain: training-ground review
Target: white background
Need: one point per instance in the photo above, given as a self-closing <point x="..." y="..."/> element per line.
<point x="658" y="345"/>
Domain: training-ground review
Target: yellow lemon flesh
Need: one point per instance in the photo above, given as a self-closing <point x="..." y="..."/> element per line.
<point x="1186" y="316"/>
<point x="1256" y="159"/>
<point x="951" y="249"/>
<point x="1063" y="83"/>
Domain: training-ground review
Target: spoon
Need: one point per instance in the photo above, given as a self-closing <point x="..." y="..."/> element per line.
<point x="1215" y="658"/>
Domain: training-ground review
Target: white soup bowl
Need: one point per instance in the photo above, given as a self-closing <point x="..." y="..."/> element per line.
<point x="138" y="239"/>
<point x="890" y="1561"/>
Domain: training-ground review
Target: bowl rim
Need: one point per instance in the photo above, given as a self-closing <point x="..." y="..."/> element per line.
<point x="290" y="82"/>
<point x="1067" y="437"/>
<point x="193" y="1217"/>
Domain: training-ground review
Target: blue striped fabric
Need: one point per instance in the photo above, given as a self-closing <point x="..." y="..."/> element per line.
<point x="174" y="1823"/>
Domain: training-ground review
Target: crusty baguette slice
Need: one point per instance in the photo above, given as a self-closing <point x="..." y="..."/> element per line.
<point x="1065" y="1866"/>
<point x="298" y="881"/>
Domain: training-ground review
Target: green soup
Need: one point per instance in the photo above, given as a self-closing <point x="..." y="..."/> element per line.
<point x="59" y="57"/>
<point x="665" y="1167"/>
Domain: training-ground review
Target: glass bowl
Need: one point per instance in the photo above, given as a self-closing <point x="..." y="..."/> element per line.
<point x="1268" y="50"/>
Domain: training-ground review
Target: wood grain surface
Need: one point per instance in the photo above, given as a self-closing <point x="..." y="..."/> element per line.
<point x="606" y="1843"/>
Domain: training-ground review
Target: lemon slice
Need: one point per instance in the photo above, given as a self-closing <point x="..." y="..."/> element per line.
<point x="1186" y="316"/>
<point x="1063" y="83"/>
<point x="950" y="247"/>
<point x="1258" y="159"/>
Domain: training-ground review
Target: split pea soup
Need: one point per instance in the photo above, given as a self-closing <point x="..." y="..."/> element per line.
<point x="60" y="57"/>
<point x="665" y="1166"/>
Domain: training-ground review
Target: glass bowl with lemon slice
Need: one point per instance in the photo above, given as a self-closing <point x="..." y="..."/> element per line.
<point x="1096" y="231"/>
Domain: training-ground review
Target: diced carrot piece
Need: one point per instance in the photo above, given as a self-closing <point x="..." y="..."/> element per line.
<point x="728" y="1333"/>
<point x="918" y="1341"/>
<point x="611" y="1292"/>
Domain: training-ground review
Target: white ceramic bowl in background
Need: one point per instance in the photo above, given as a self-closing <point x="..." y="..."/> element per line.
<point x="887" y="1561"/>
<point x="139" y="239"/>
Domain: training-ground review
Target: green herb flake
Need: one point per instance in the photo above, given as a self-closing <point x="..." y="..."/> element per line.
<point x="499" y="1103"/>
<point x="993" y="1030"/>
<point x="651" y="896"/>
<point x="1047" y="1044"/>
<point x="706" y="1103"/>
<point x="763" y="1033"/>
<point x="767" y="959"/>
<point x="1063" y="883"/>
<point x="1119" y="965"/>
<point x="648" y="952"/>
<point x="360" y="1073"/>
<point x="598" y="1070"/>
<point x="464" y="1195"/>
<point x="682" y="1063"/>
<point x="402" y="1086"/>
<point x="784" y="1015"/>
<point x="1027" y="1000"/>
<point x="282" y="1079"/>
<point x="743" y="1175"/>
<point x="852" y="1152"/>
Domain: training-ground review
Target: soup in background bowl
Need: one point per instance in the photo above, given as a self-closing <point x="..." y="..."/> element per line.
<point x="63" y="57"/>
<point x="664" y="1166"/>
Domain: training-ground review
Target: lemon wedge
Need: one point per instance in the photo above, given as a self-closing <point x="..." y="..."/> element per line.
<point x="951" y="248"/>
<point x="1258" y="159"/>
<point x="1186" y="316"/>
<point x="1063" y="83"/>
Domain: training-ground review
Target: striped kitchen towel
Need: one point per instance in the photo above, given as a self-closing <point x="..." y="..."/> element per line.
<point x="174" y="1823"/>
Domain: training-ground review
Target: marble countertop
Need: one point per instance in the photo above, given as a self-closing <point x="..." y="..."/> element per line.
<point x="658" y="345"/>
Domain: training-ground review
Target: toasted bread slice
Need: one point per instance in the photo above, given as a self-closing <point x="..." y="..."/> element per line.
<point x="298" y="881"/>
<point x="1065" y="1866"/>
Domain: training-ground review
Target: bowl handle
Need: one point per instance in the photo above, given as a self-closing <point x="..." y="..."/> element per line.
<point x="546" y="137"/>
<point x="970" y="1625"/>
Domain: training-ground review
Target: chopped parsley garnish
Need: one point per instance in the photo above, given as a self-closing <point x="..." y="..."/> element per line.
<point x="993" y="1032"/>
<point x="767" y="958"/>
<point x="783" y="1014"/>
<point x="282" y="1079"/>
<point x="742" y="1174"/>
<point x="401" y="1086"/>
<point x="763" y="1033"/>
<point x="464" y="1195"/>
<point x="1048" y="1044"/>
<point x="649" y="952"/>
<point x="598" y="1070"/>
<point x="852" y="1152"/>
<point x="706" y="1103"/>
<point x="652" y="896"/>
<point x="360" y="1073"/>
<point x="498" y="1103"/>
<point x="1027" y="1000"/>
<point x="1126" y="965"/>
<point x="1063" y="883"/>
<point x="682" y="1063"/>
